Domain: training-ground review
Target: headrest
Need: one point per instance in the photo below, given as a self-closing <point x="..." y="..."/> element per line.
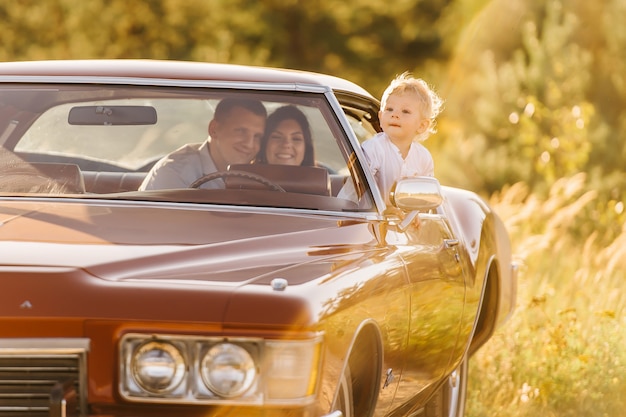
<point x="42" y="177"/>
<point x="293" y="179"/>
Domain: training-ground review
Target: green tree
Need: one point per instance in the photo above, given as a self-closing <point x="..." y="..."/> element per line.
<point x="528" y="117"/>
<point x="543" y="104"/>
<point x="363" y="40"/>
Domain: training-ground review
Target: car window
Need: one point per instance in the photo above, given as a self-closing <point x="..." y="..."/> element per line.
<point x="129" y="147"/>
<point x="117" y="134"/>
<point x="361" y="124"/>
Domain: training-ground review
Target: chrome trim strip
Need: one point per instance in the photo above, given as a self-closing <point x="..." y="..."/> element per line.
<point x="340" y="215"/>
<point x="44" y="345"/>
<point x="160" y="82"/>
<point x="379" y="200"/>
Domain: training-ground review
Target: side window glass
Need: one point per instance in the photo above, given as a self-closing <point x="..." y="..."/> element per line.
<point x="361" y="124"/>
<point x="355" y="187"/>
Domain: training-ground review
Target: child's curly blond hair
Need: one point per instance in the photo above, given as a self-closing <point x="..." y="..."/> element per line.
<point x="431" y="103"/>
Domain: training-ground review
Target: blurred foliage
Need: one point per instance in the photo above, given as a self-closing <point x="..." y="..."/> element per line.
<point x="561" y="354"/>
<point x="541" y="102"/>
<point x="351" y="39"/>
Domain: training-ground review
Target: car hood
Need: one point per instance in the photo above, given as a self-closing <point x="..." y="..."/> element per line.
<point x="151" y="242"/>
<point x="163" y="262"/>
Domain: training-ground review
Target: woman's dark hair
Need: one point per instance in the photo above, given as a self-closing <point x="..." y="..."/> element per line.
<point x="288" y="113"/>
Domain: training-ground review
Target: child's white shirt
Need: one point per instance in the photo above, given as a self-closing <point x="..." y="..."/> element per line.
<point x="388" y="166"/>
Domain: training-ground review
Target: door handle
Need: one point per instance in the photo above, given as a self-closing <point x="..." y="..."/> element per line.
<point x="450" y="243"/>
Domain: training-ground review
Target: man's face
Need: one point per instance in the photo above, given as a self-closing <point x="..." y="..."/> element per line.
<point x="236" y="139"/>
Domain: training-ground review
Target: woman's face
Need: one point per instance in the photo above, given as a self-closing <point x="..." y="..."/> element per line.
<point x="285" y="145"/>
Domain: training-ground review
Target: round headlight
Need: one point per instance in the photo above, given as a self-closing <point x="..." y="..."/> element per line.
<point x="228" y="370"/>
<point x="158" y="367"/>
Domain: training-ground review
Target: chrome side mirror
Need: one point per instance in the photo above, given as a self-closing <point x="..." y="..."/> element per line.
<point x="416" y="194"/>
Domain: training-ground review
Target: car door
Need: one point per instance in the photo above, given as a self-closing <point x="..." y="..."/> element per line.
<point x="436" y="288"/>
<point x="437" y="293"/>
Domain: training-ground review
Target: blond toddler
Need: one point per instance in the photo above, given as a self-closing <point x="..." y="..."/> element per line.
<point x="407" y="116"/>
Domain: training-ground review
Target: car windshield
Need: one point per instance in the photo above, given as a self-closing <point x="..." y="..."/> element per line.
<point x="94" y="141"/>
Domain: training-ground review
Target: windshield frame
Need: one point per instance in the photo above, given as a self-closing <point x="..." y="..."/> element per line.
<point x="334" y="116"/>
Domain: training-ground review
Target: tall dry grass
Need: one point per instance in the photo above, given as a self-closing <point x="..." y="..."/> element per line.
<point x="563" y="353"/>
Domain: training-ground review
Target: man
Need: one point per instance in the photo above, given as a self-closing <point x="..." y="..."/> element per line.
<point x="234" y="138"/>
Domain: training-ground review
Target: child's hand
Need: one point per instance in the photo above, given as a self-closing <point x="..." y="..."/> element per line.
<point x="406" y="219"/>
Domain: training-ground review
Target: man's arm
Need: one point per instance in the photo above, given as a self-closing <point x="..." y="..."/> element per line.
<point x="163" y="176"/>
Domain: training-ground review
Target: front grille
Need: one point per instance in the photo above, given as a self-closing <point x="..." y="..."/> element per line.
<point x="31" y="370"/>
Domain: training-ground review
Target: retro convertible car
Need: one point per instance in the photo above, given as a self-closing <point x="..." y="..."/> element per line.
<point x="284" y="290"/>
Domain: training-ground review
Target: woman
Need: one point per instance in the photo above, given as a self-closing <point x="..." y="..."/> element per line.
<point x="287" y="139"/>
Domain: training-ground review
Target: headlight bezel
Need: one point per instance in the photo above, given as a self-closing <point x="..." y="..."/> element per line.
<point x="141" y="361"/>
<point x="193" y="389"/>
<point x="209" y="356"/>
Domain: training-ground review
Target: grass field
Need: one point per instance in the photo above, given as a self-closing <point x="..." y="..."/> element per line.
<point x="563" y="351"/>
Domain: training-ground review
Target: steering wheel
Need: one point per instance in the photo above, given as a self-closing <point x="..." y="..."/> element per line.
<point x="244" y="174"/>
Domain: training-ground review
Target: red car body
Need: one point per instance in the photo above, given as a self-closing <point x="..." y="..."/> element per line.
<point x="247" y="302"/>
